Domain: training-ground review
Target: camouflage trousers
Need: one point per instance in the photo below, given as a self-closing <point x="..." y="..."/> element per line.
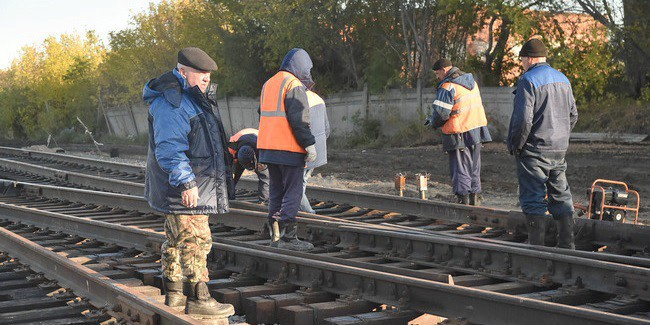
<point x="184" y="253"/>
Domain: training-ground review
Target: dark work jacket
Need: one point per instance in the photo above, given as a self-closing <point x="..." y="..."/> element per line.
<point x="245" y="140"/>
<point x="187" y="145"/>
<point x="544" y="112"/>
<point x="296" y="105"/>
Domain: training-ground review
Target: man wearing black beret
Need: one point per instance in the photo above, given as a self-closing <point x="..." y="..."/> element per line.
<point x="544" y="115"/>
<point x="187" y="177"/>
<point x="458" y="111"/>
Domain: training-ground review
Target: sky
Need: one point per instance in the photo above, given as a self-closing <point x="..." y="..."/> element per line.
<point x="29" y="22"/>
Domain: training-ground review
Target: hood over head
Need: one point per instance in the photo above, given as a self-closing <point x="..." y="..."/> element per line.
<point x="459" y="77"/>
<point x="169" y="85"/>
<point x="298" y="63"/>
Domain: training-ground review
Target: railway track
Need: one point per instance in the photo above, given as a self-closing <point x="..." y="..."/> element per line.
<point x="42" y="280"/>
<point x="358" y="267"/>
<point x="28" y="295"/>
<point x="415" y="219"/>
<point x="409" y="214"/>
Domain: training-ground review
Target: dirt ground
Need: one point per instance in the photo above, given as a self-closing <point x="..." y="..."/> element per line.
<point x="374" y="170"/>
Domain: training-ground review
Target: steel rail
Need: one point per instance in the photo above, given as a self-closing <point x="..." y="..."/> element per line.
<point x="75" y="178"/>
<point x="622" y="259"/>
<point x="384" y="288"/>
<point x="611" y="234"/>
<point x="74" y="160"/>
<point x="616" y="236"/>
<point x="135" y="203"/>
<point x="505" y="262"/>
<point x="99" y="289"/>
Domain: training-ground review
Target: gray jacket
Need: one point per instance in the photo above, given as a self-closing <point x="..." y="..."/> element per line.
<point x="544" y="112"/>
<point x="320" y="128"/>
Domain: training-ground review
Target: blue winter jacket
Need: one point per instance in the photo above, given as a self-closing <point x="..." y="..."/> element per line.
<point x="187" y="145"/>
<point x="442" y="110"/>
<point x="544" y="112"/>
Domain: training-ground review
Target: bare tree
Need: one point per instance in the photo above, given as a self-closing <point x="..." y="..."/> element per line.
<point x="632" y="37"/>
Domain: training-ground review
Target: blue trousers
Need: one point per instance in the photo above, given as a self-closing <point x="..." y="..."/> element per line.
<point x="543" y="184"/>
<point x="465" y="168"/>
<point x="285" y="190"/>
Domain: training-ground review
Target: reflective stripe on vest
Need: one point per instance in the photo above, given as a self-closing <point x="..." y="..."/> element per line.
<point x="275" y="132"/>
<point x="232" y="145"/>
<point x="467" y="113"/>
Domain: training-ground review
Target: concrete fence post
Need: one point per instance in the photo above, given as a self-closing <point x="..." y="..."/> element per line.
<point x="232" y="127"/>
<point x="419" y="95"/>
<point x="366" y="100"/>
<point x="132" y="116"/>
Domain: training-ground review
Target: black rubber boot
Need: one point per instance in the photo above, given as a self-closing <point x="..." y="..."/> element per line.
<point x="174" y="296"/>
<point x="289" y="239"/>
<point x="536" y="228"/>
<point x="565" y="237"/>
<point x="200" y="303"/>
<point x="462" y="199"/>
<point x="474" y="199"/>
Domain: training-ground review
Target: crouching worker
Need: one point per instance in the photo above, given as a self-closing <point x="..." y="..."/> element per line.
<point x="186" y="177"/>
<point x="243" y="148"/>
<point x="285" y="143"/>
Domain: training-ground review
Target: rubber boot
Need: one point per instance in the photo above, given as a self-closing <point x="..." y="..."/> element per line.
<point x="200" y="303"/>
<point x="274" y="230"/>
<point x="474" y="199"/>
<point x="289" y="239"/>
<point x="536" y="228"/>
<point x="462" y="199"/>
<point x="174" y="296"/>
<point x="565" y="237"/>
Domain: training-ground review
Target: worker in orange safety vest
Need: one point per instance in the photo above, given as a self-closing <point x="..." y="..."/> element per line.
<point x="285" y="144"/>
<point x="458" y="111"/>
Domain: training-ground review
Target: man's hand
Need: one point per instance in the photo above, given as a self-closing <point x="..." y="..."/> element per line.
<point x="311" y="153"/>
<point x="190" y="198"/>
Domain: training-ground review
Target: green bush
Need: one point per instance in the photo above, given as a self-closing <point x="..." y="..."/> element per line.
<point x="615" y="114"/>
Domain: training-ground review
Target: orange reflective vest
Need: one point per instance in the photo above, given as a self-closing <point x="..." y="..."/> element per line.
<point x="275" y="132"/>
<point x="467" y="113"/>
<point x="233" y="140"/>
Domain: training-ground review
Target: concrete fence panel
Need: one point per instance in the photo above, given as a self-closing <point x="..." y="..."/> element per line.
<point x="393" y="109"/>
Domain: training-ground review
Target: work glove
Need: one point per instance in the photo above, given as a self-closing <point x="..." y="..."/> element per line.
<point x="429" y="123"/>
<point x="311" y="153"/>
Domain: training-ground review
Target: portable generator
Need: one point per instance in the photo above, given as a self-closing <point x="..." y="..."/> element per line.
<point x="609" y="200"/>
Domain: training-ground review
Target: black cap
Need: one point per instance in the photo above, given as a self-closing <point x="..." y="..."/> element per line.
<point x="442" y="63"/>
<point x="194" y="57"/>
<point x="246" y="157"/>
<point x="534" y="48"/>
